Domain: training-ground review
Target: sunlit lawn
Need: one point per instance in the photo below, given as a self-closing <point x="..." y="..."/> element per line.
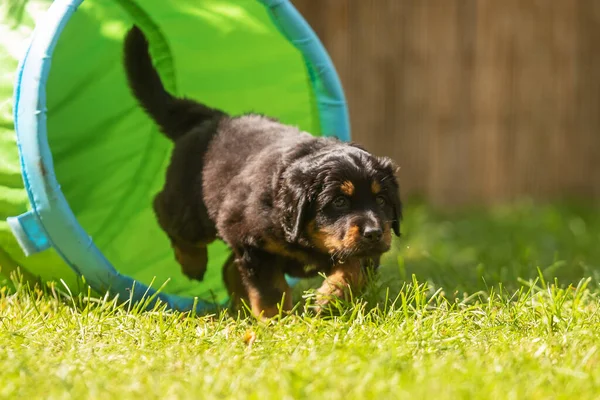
<point x="481" y="318"/>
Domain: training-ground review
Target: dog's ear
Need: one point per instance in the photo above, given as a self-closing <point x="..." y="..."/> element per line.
<point x="390" y="170"/>
<point x="297" y="219"/>
<point x="293" y="202"/>
<point x="397" y="205"/>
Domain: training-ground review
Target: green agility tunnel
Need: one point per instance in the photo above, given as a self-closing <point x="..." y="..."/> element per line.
<point x="78" y="178"/>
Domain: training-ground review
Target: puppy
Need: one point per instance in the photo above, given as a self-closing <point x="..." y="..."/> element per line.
<point x="284" y="201"/>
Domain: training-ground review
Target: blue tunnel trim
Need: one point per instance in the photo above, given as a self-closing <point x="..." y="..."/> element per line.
<point x="331" y="102"/>
<point x="29" y="233"/>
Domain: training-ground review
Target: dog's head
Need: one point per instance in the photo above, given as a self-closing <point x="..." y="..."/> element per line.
<point x="342" y="201"/>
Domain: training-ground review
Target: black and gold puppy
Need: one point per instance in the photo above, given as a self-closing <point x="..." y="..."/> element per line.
<point x="284" y="201"/>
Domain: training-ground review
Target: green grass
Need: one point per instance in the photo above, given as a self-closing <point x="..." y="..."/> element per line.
<point x="466" y="307"/>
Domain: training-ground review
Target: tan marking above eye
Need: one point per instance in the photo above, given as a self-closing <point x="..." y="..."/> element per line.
<point x="375" y="187"/>
<point x="347" y="188"/>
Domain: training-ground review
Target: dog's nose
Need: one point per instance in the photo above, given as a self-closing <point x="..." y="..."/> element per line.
<point x="373" y="233"/>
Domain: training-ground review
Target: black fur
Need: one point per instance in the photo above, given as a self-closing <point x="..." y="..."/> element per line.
<point x="270" y="191"/>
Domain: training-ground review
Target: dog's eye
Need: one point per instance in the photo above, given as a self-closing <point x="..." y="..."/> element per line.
<point x="380" y="201"/>
<point x="341" y="202"/>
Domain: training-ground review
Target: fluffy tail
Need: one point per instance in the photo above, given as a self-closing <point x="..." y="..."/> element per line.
<point x="175" y="116"/>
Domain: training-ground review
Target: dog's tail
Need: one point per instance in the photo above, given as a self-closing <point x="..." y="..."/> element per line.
<point x="175" y="116"/>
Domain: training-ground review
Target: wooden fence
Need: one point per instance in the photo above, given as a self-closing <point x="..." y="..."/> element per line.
<point x="478" y="101"/>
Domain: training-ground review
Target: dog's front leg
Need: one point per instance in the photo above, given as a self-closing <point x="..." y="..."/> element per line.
<point x="263" y="279"/>
<point x="349" y="276"/>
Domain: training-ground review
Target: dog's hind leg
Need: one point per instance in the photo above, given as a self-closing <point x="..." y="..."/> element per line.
<point x="263" y="282"/>
<point x="233" y="282"/>
<point x="192" y="258"/>
<point x="188" y="233"/>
